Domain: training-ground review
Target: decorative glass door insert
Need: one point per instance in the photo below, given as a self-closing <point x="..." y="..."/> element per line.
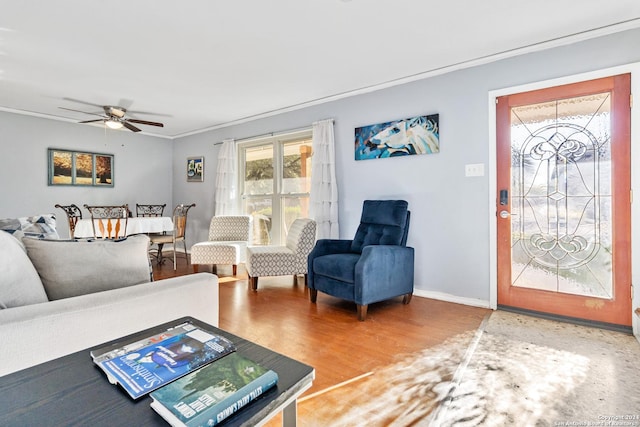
<point x="561" y="196"/>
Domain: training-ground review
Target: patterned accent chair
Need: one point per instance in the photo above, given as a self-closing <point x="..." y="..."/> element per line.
<point x="375" y="266"/>
<point x="283" y="260"/>
<point x="229" y="236"/>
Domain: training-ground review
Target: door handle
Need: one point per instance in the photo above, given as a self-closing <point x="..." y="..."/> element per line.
<point x="504" y="214"/>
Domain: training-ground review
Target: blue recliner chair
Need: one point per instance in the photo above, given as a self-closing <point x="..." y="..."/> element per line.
<point x="375" y="266"/>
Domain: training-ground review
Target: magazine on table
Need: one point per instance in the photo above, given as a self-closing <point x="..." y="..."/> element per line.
<point x="212" y="393"/>
<point x="119" y="349"/>
<point x="142" y="367"/>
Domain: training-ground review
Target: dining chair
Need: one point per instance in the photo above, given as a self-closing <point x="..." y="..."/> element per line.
<point x="150" y="210"/>
<point x="177" y="235"/>
<point x="109" y="222"/>
<point x="74" y="214"/>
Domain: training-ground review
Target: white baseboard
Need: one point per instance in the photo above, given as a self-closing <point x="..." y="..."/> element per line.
<point x="451" y="298"/>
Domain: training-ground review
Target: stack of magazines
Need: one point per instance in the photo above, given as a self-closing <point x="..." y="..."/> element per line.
<point x="194" y="376"/>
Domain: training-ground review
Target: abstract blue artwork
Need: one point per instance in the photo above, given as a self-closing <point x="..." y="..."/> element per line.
<point x="417" y="135"/>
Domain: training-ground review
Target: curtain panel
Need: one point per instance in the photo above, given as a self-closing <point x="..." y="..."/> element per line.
<point x="226" y="191"/>
<point x="324" y="188"/>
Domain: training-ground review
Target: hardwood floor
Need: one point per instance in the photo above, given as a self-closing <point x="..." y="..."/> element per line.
<point x="327" y="335"/>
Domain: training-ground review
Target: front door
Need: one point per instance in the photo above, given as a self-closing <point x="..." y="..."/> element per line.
<point x="564" y="200"/>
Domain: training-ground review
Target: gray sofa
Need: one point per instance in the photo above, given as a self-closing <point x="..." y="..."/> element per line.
<point x="59" y="296"/>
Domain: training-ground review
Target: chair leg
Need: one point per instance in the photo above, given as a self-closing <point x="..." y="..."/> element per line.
<point x="407" y="298"/>
<point x="195" y="268"/>
<point x="159" y="256"/>
<point x="175" y="265"/>
<point x="362" y="311"/>
<point x="184" y="243"/>
<point x="306" y="282"/>
<point x="235" y="269"/>
<point x="253" y="281"/>
<point x="313" y="295"/>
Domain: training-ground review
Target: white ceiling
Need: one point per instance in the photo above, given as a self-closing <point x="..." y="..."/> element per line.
<point x="202" y="64"/>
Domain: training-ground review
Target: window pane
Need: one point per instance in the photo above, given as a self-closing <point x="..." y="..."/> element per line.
<point x="294" y="207"/>
<point x="296" y="166"/>
<point x="261" y="211"/>
<point x="258" y="176"/>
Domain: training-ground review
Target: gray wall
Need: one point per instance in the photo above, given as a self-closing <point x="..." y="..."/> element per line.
<point x="142" y="167"/>
<point x="451" y="213"/>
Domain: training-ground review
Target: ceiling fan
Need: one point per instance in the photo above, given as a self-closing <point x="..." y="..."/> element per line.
<point x="114" y="118"/>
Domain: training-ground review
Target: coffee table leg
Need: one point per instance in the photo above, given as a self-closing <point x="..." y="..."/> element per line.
<point x="290" y="414"/>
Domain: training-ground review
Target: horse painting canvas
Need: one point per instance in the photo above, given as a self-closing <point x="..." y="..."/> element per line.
<point x="417" y="135"/>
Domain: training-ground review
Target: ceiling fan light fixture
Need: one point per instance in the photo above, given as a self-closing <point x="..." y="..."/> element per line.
<point x="113" y="124"/>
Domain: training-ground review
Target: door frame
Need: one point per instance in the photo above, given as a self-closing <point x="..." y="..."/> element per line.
<point x="634" y="69"/>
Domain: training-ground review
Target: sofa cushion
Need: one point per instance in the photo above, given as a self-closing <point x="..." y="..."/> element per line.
<point x="39" y="226"/>
<point x="69" y="268"/>
<point x="19" y="281"/>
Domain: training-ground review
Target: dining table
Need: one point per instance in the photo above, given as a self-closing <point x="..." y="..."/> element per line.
<point x="135" y="225"/>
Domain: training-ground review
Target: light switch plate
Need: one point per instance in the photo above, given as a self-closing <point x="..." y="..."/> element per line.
<point x="476" y="169"/>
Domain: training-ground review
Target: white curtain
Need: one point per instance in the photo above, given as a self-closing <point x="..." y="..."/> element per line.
<point x="226" y="192"/>
<point x="324" y="188"/>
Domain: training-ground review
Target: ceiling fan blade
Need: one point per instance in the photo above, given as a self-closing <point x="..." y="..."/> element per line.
<point x="82" y="102"/>
<point x="144" y="122"/>
<point x="149" y="113"/>
<point x="92" y="121"/>
<point x="130" y="126"/>
<point x="83" y="112"/>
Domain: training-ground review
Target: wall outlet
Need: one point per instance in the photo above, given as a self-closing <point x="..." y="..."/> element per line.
<point x="476" y="169"/>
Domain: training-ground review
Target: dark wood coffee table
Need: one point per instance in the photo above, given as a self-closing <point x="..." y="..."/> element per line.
<point x="72" y="390"/>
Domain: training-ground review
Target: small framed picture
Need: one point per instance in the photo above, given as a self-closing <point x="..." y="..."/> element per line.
<point x="195" y="169"/>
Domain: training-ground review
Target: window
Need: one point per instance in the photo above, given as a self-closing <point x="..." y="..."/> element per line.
<point x="275" y="180"/>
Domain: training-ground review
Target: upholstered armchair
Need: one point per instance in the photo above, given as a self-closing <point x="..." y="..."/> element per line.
<point x="375" y="266"/>
<point x="229" y="236"/>
<point x="283" y="260"/>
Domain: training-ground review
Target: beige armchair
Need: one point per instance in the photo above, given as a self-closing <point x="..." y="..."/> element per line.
<point x="283" y="260"/>
<point x="229" y="236"/>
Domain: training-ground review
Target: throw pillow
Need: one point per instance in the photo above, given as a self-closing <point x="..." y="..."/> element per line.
<point x="70" y="268"/>
<point x="19" y="282"/>
<point x="39" y="226"/>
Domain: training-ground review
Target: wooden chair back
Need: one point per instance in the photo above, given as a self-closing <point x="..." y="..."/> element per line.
<point x="74" y="214"/>
<point x="150" y="210"/>
<point x="180" y="220"/>
<point x="109" y="222"/>
<point x="179" y="230"/>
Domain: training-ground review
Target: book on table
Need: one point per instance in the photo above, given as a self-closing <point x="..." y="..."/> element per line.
<point x="212" y="393"/>
<point x="145" y="365"/>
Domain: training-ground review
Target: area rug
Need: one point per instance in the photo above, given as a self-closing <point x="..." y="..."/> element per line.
<point x="515" y="370"/>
